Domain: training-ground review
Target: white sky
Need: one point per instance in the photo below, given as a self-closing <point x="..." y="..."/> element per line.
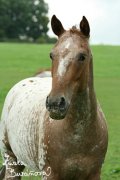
<point x="103" y="17"/>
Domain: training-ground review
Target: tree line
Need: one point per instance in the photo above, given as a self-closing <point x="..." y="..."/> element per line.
<point x="24" y="20"/>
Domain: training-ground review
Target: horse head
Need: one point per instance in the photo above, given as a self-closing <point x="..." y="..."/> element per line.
<point x="70" y="66"/>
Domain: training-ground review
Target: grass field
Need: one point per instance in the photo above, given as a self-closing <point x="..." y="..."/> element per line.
<point x="18" y="61"/>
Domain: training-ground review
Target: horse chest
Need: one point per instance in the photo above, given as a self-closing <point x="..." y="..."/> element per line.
<point x="77" y="166"/>
<point x="71" y="163"/>
<point x="73" y="151"/>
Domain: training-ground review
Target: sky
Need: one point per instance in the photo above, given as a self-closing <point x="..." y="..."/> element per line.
<point x="103" y="17"/>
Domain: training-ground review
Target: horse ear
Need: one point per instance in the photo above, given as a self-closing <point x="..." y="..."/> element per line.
<point x="84" y="26"/>
<point x="57" y="26"/>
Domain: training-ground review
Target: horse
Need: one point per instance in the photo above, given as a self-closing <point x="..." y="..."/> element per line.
<point x="56" y="125"/>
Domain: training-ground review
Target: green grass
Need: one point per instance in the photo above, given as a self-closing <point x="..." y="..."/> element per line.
<point x="107" y="83"/>
<point x="18" y="61"/>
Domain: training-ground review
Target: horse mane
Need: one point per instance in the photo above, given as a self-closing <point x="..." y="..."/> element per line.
<point x="75" y="30"/>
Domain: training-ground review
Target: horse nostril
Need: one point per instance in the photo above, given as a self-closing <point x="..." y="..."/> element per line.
<point x="57" y="104"/>
<point x="62" y="103"/>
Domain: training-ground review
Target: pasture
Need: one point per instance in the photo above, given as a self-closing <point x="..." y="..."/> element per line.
<point x="18" y="61"/>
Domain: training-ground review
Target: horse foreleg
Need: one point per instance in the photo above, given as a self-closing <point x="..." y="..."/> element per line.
<point x="2" y="172"/>
<point x="13" y="169"/>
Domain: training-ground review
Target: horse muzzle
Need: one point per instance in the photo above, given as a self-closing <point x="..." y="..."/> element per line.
<point x="57" y="106"/>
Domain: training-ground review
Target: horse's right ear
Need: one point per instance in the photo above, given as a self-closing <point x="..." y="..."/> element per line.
<point x="57" y="26"/>
<point x="84" y="26"/>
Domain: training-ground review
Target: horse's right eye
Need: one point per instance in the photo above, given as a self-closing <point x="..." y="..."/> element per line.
<point x="81" y="57"/>
<point x="51" y="56"/>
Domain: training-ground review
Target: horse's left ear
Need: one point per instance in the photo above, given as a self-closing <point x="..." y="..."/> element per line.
<point x="84" y="26"/>
<point x="57" y="26"/>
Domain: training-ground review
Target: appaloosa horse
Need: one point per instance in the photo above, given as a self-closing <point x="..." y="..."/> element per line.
<point x="67" y="139"/>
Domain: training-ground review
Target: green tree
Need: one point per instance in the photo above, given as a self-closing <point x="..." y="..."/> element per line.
<point x="23" y="18"/>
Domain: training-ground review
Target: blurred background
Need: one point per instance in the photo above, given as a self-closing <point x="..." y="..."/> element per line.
<point x="26" y="39"/>
<point x="29" y="20"/>
<point x="103" y="16"/>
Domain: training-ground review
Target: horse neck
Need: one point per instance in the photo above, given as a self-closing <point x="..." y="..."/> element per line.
<point x="84" y="104"/>
<point x="92" y="95"/>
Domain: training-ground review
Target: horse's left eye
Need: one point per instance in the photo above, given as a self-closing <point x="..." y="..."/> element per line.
<point x="51" y="56"/>
<point x="81" y="57"/>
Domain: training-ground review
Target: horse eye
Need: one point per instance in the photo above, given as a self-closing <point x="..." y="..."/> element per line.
<point x="51" y="56"/>
<point x="81" y="57"/>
